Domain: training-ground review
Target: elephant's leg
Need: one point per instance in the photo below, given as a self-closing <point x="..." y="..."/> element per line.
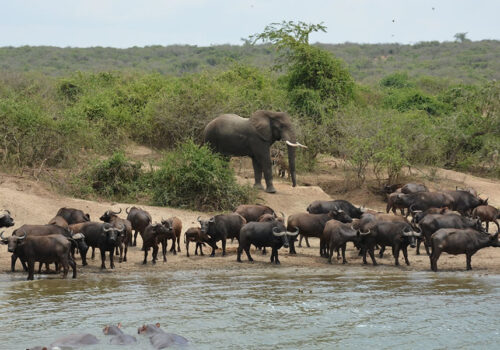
<point x="257" y="172"/>
<point x="268" y="172"/>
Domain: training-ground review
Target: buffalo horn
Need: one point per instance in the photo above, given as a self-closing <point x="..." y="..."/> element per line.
<point x="2" y="237"/>
<point x="107" y="229"/>
<point x="116" y="212"/>
<point x="2" y="214"/>
<point x="23" y="237"/>
<point x="278" y="233"/>
<point x="364" y="233"/>
<point x="126" y="210"/>
<point x="282" y="214"/>
<point x="77" y="236"/>
<point x="295" y="144"/>
<point x="199" y="219"/>
<point x="293" y="233"/>
<point x="212" y="219"/>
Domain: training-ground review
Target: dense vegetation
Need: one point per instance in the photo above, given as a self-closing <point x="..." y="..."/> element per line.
<point x="388" y="106"/>
<point x="468" y="61"/>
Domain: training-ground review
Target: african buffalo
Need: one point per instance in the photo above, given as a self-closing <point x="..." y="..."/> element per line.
<point x="220" y="228"/>
<point x="487" y="213"/>
<point x="152" y="236"/>
<point x="5" y="219"/>
<point x="413" y="188"/>
<point x="324" y="207"/>
<point x="464" y="201"/>
<point x="59" y="221"/>
<point x="112" y="218"/>
<point x="433" y="222"/>
<point x="139" y="219"/>
<point x="397" y="235"/>
<point x="336" y="235"/>
<point x="104" y="236"/>
<point x="312" y="225"/>
<point x="174" y="225"/>
<point x="264" y="234"/>
<point x="193" y="234"/>
<point x="424" y="200"/>
<point x="252" y="212"/>
<point x="44" y="249"/>
<point x="460" y="241"/>
<point x="73" y="216"/>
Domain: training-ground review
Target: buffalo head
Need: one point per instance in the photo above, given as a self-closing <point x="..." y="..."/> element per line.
<point x="12" y="242"/>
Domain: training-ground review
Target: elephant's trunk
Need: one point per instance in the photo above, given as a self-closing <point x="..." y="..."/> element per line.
<point x="291" y="164"/>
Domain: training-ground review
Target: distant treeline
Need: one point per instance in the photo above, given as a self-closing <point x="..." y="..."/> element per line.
<point x="466" y="62"/>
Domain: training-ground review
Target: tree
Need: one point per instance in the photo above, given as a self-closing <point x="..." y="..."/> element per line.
<point x="461" y="37"/>
<point x="316" y="81"/>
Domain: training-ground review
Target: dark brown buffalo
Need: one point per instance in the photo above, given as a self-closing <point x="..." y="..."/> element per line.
<point x="44" y="249"/>
<point x="152" y="236"/>
<point x="220" y="228"/>
<point x="112" y="218"/>
<point x="460" y="241"/>
<point x="464" y="201"/>
<point x="252" y="212"/>
<point x="433" y="222"/>
<point x="397" y="235"/>
<point x="312" y="225"/>
<point x="414" y="188"/>
<point x="336" y="235"/>
<point x="424" y="200"/>
<point x="59" y="221"/>
<point x="72" y="215"/>
<point x="139" y="219"/>
<point x="104" y="236"/>
<point x="393" y="203"/>
<point x="487" y="213"/>
<point x="6" y="219"/>
<point x="174" y="226"/>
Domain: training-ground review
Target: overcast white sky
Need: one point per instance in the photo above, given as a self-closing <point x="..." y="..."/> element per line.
<point x="127" y="23"/>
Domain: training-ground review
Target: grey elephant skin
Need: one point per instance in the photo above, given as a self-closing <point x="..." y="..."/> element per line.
<point x="232" y="135"/>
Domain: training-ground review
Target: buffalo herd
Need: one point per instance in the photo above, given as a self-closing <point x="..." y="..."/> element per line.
<point x="449" y="221"/>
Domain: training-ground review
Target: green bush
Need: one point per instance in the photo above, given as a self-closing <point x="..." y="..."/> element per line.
<point x="397" y="80"/>
<point x="193" y="177"/>
<point x="115" y="178"/>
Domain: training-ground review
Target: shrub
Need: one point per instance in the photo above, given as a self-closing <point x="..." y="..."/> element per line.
<point x="193" y="177"/>
<point x="397" y="80"/>
<point x="113" y="178"/>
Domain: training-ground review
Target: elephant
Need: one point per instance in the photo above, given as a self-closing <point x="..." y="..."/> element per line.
<point x="232" y="135"/>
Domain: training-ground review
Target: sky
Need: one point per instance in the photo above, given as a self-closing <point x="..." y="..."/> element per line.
<point x="128" y="23"/>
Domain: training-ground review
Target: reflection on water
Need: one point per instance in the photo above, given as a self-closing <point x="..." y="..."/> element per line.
<point x="261" y="308"/>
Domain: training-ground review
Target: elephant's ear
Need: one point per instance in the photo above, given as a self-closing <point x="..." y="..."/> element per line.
<point x="262" y="123"/>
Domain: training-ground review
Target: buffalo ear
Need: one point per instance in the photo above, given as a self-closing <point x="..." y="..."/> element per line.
<point x="262" y="123"/>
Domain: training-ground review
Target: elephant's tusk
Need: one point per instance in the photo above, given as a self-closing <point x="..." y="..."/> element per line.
<point x="295" y="144"/>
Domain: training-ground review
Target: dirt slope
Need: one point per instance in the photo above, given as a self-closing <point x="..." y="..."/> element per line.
<point x="31" y="202"/>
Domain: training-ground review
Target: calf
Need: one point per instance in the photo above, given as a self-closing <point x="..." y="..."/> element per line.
<point x="487" y="213"/>
<point x="220" y="228"/>
<point x="44" y="249"/>
<point x="73" y="216"/>
<point x="460" y="241"/>
<point x="193" y="234"/>
<point x="153" y="235"/>
<point x="398" y="235"/>
<point x="174" y="226"/>
<point x="264" y="234"/>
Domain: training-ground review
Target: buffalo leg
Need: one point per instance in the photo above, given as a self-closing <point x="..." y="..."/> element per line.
<point x="154" y="254"/>
<point x="145" y="256"/>
<point x="372" y="256"/>
<point x="223" y="246"/>
<point x="84" y="257"/>
<point x="111" y="257"/>
<point x="331" y="249"/>
<point x="187" y="248"/>
<point x="179" y="243"/>
<point x="213" y="251"/>
<point x="125" y="251"/>
<point x="238" y="254"/>
<point x="120" y="248"/>
<point x="264" y="252"/>
<point x="405" y="254"/>
<point x="344" y="261"/>
<point x="201" y="248"/>
<point x="292" y="247"/>
<point x="434" y="258"/>
<point x="40" y="268"/>
<point x="381" y="252"/>
<point x="73" y="266"/>
<point x="164" y="249"/>
<point x="31" y="269"/>
<point x="275" y="255"/>
<point x="247" y="251"/>
<point x="93" y="253"/>
<point x="134" y="243"/>
<point x="103" y="258"/>
<point x="468" y="258"/>
<point x="65" y="265"/>
<point x="307" y="242"/>
<point x="395" y="254"/>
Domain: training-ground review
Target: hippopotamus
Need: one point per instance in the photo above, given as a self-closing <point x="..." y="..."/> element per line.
<point x="119" y="338"/>
<point x="161" y="339"/>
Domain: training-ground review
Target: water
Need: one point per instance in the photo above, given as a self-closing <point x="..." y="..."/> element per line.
<point x="261" y="308"/>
